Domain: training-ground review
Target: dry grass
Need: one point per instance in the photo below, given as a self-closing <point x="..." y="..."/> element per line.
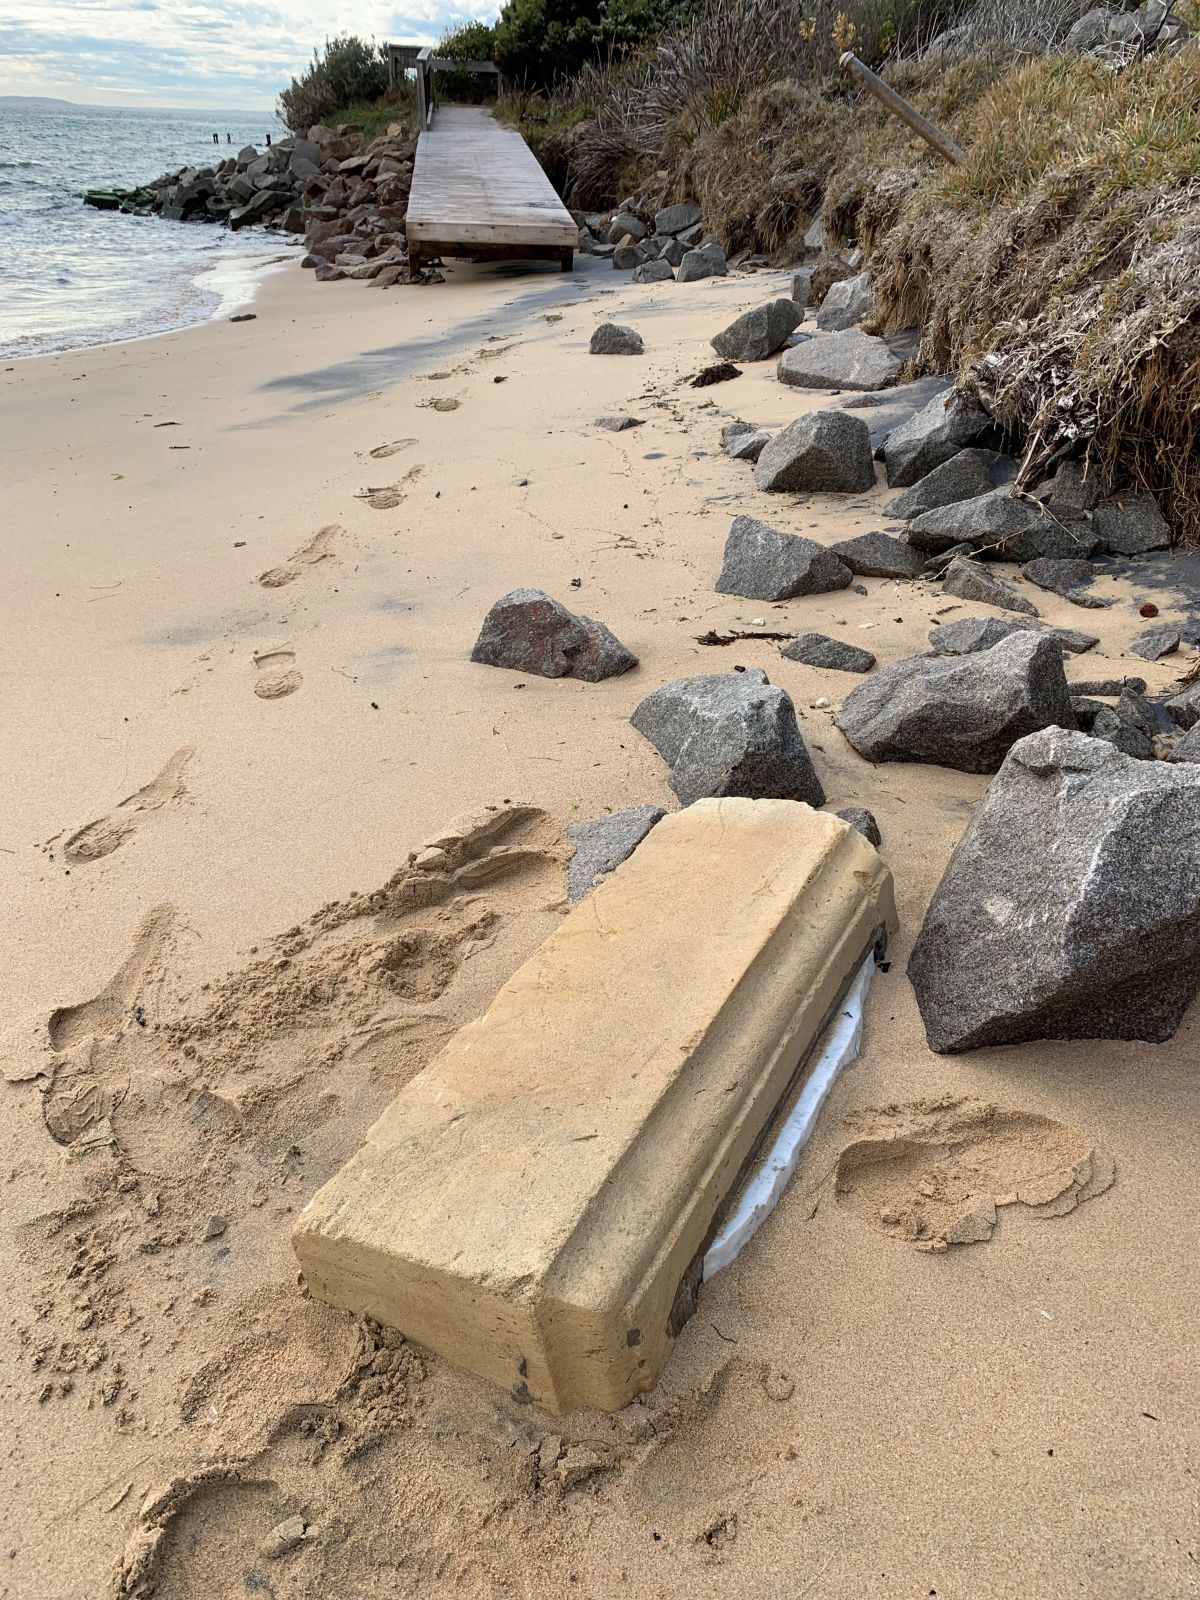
<point x="1057" y="269"/>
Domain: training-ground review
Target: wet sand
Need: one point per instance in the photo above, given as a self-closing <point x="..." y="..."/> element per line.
<point x="245" y="565"/>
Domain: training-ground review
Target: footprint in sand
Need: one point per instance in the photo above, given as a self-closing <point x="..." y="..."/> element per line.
<point x="382" y="451"/>
<point x="386" y="497"/>
<point x="318" y="548"/>
<point x="279" y="675"/>
<point x="89" y="1075"/>
<point x="935" y="1173"/>
<point x="100" y="838"/>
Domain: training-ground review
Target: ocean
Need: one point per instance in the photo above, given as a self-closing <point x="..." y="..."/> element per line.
<point x="71" y="275"/>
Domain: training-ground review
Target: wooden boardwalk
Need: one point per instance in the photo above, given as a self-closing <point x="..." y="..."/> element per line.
<point x="478" y="191"/>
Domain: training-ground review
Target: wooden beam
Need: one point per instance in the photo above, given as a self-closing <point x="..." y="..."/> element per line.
<point x="899" y="107"/>
<point x="448" y="64"/>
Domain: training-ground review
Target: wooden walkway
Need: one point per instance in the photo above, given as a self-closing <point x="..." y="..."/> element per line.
<point x="478" y="191"/>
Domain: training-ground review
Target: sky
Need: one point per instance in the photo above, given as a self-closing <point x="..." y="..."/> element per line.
<point x="210" y="54"/>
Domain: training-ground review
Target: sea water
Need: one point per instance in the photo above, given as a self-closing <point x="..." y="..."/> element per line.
<point x="71" y="275"/>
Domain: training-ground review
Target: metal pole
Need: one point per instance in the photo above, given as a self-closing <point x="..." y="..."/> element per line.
<point x="899" y="106"/>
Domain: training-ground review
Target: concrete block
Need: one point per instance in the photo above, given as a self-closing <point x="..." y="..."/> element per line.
<point x="534" y="1206"/>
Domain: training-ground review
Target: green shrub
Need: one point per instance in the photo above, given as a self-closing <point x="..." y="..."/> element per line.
<point x="540" y="42"/>
<point x="349" y="71"/>
<point x="471" y="41"/>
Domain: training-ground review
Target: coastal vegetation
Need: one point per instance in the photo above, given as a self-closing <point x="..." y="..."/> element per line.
<point x="346" y="72"/>
<point x="1054" y="270"/>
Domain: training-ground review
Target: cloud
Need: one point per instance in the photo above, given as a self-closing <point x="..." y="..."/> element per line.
<point x="210" y="53"/>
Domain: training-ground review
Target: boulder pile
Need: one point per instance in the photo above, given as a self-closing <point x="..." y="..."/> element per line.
<point x="349" y="201"/>
<point x="656" y="243"/>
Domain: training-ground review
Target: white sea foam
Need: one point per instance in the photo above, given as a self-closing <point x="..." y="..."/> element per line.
<point x="72" y="276"/>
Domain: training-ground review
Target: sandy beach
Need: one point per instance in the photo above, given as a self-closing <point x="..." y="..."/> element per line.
<point x="245" y="565"/>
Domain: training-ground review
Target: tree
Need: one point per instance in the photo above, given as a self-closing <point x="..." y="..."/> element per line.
<point x="348" y="72"/>
<point x="538" y="41"/>
<point x="471" y="41"/>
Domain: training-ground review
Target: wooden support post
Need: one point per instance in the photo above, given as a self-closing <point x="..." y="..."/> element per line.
<point x="899" y="106"/>
<point x="424" y="89"/>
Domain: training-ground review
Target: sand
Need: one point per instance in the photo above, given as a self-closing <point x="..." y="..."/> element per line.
<point x="244" y="567"/>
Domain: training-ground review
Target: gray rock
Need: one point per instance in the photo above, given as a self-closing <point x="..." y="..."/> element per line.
<point x="1187" y="748"/>
<point x="749" y="446"/>
<point x="1069" y="578"/>
<point x="614" y="339"/>
<point x="967" y="473"/>
<point x="1055" y="538"/>
<point x="673" y="252"/>
<point x="802" y="285"/>
<point x="959" y="711"/>
<point x="969" y="581"/>
<point x="603" y="843"/>
<point x="864" y="821"/>
<point x="846" y="304"/>
<point x="626" y="225"/>
<point x="991" y="519"/>
<point x="1108" y="686"/>
<point x="1154" y="643"/>
<point x="1116" y="727"/>
<point x="824" y="451"/>
<point x="758" y="333"/>
<point x="690" y="237"/>
<point x="1090" y="31"/>
<point x="715" y="256"/>
<point x="694" y="266"/>
<point x="814" y="239"/>
<point x="1184" y="707"/>
<point x="677" y="218"/>
<point x="618" y="424"/>
<point x="819" y="650"/>
<point x="734" y="430"/>
<point x="1086" y="710"/>
<point x="729" y="734"/>
<point x="1074" y="640"/>
<point x="981" y="633"/>
<point x="847" y="360"/>
<point x="975" y="633"/>
<point x="1137" y="712"/>
<point x="626" y="257"/>
<point x="762" y="563"/>
<point x="938" y="431"/>
<point x="1070" y="908"/>
<point x="527" y="631"/>
<point x="889" y="409"/>
<point x="304" y="150"/>
<point x="879" y="555"/>
<point x="1131" y="526"/>
<point x="1072" y="489"/>
<point x="653" y="272"/>
<point x="937" y="566"/>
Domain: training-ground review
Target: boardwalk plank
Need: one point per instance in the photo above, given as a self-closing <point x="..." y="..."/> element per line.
<point x="476" y="184"/>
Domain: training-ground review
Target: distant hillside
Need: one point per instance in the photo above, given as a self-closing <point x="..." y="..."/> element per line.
<point x="32" y="100"/>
